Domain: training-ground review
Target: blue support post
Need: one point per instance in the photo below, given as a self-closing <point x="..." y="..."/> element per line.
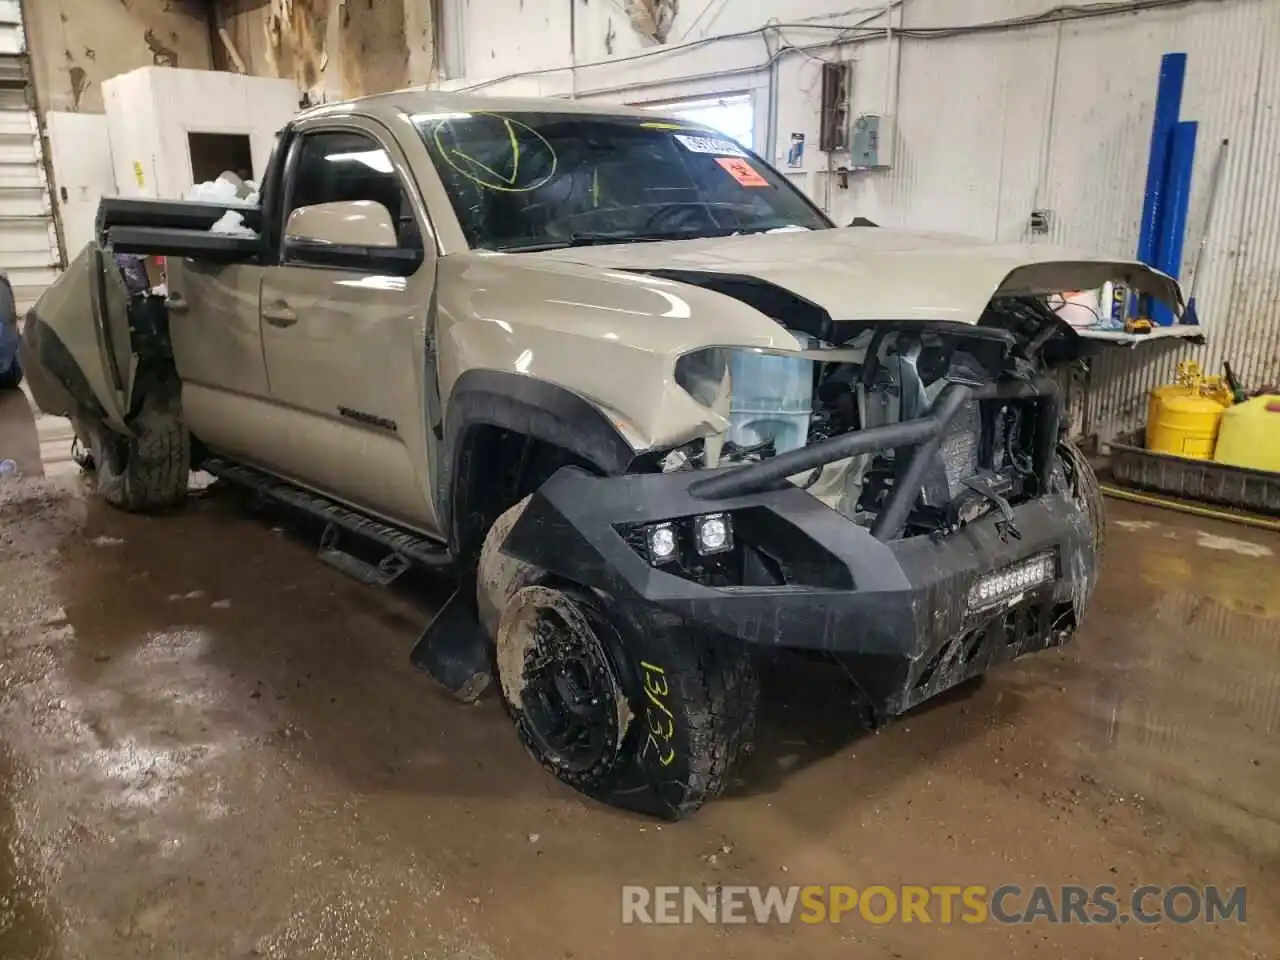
<point x="1175" y="203"/>
<point x="1173" y="72"/>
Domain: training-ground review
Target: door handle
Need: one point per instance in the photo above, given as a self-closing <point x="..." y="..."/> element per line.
<point x="176" y="303"/>
<point x="280" y="314"/>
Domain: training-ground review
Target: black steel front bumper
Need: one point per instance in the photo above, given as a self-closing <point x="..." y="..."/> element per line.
<point x="897" y="612"/>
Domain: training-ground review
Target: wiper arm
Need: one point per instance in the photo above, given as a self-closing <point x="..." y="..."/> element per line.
<point x="601" y="239"/>
<point x="578" y="240"/>
<point x="592" y="239"/>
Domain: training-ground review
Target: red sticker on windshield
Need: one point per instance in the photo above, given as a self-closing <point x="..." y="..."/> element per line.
<point x="742" y="171"/>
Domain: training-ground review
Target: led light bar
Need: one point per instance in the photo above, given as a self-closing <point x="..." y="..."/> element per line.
<point x="995" y="588"/>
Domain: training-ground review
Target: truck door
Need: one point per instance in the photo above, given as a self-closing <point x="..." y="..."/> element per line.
<point x="217" y="350"/>
<point x="345" y="345"/>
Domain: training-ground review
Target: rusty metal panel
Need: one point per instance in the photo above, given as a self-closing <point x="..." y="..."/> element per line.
<point x="75" y="45"/>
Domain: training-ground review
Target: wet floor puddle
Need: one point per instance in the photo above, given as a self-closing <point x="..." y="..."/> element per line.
<point x="193" y="712"/>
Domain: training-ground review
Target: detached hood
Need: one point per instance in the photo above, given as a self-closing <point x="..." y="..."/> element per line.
<point x="861" y="274"/>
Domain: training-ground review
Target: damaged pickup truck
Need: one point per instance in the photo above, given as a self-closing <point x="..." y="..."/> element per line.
<point x="634" y="391"/>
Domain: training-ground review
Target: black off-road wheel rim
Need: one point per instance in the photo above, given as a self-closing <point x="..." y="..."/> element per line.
<point x="568" y="701"/>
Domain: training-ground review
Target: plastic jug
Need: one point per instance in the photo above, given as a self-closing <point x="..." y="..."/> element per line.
<point x="1250" y="435"/>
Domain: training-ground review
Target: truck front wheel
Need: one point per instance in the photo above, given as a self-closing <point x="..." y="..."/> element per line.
<point x="1074" y="476"/>
<point x="651" y="717"/>
<point x="149" y="470"/>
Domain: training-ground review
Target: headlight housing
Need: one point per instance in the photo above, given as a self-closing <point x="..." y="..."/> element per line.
<point x="764" y="396"/>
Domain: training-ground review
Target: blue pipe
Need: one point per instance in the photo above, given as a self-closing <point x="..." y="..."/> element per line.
<point x="1175" y="203"/>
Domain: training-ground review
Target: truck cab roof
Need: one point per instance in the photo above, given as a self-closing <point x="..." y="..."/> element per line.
<point x="390" y="106"/>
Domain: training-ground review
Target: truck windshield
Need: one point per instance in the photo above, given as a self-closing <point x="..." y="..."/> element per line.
<point x="528" y="181"/>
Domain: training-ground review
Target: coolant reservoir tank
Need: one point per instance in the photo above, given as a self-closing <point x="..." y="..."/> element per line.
<point x="771" y="399"/>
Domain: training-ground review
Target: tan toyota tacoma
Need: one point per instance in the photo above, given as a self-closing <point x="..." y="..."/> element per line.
<point x="634" y="391"/>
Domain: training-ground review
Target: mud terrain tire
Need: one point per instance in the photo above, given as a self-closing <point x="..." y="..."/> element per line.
<point x="150" y="470"/>
<point x="1083" y="483"/>
<point x="676" y="705"/>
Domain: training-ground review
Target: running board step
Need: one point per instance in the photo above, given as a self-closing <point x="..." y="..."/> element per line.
<point x="399" y="543"/>
<point x="371" y="575"/>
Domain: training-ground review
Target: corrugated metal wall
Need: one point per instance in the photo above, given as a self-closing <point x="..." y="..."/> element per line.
<point x="993" y="125"/>
<point x="1233" y="91"/>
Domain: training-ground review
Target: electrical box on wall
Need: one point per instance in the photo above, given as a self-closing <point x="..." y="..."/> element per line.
<point x="872" y="141"/>
<point x="837" y="91"/>
<point x="170" y="128"/>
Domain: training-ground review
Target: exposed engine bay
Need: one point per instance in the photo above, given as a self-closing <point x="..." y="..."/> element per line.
<point x="881" y="375"/>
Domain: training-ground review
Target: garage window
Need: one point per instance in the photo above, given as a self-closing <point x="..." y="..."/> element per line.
<point x="734" y="116"/>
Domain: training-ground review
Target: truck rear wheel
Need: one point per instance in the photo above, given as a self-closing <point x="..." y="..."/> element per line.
<point x="652" y="718"/>
<point x="148" y="471"/>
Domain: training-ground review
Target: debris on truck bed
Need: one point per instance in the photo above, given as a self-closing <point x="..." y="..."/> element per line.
<point x="228" y="188"/>
<point x="231" y="223"/>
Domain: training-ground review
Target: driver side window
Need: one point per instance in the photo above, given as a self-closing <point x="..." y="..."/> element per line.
<point x="336" y="166"/>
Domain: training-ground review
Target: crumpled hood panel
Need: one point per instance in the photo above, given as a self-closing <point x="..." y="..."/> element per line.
<point x="598" y="322"/>
<point x="862" y="274"/>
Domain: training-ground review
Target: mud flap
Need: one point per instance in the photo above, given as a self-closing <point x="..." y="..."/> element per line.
<point x="454" y="648"/>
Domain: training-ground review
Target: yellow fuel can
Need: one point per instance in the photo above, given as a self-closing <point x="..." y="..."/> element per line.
<point x="1250" y="435"/>
<point x="1189" y="381"/>
<point x="1187" y="426"/>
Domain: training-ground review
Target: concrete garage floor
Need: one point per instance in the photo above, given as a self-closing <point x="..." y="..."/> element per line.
<point x="213" y="746"/>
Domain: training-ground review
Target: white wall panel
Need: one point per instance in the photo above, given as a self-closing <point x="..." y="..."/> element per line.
<point x="509" y="36"/>
<point x="80" y="154"/>
<point x="151" y="112"/>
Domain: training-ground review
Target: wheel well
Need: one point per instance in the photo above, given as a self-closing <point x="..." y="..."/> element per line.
<point x="497" y="467"/>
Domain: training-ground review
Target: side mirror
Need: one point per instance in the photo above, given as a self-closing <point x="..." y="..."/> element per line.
<point x="348" y="223"/>
<point x="347" y="235"/>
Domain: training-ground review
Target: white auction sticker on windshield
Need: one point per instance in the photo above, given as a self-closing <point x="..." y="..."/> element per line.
<point x="712" y="145"/>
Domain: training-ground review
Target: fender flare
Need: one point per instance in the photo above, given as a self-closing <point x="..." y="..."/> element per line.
<point x="535" y="408"/>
